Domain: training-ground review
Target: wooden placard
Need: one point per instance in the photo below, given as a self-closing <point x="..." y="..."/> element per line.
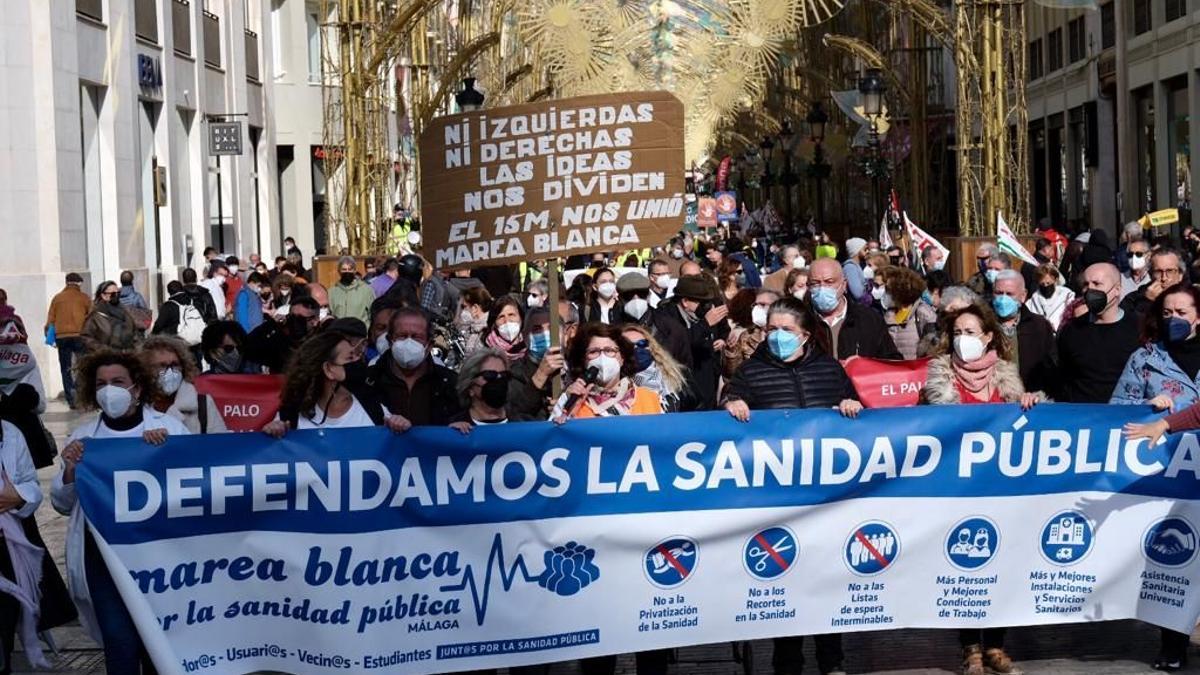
<point x="552" y="179"/>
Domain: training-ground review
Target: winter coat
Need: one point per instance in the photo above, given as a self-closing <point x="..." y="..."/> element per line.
<point x="526" y="402"/>
<point x="940" y="387"/>
<point x="129" y="297"/>
<point x="68" y="310"/>
<point x="109" y="326"/>
<point x="907" y="336"/>
<point x="1151" y="371"/>
<point x="353" y="301"/>
<point x="863" y="333"/>
<point x="168" y="314"/>
<point x="816" y="380"/>
<point x="1037" y="351"/>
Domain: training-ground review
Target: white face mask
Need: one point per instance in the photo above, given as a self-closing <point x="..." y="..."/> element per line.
<point x="533" y="300"/>
<point x="382" y="344"/>
<point x="759" y="316"/>
<point x="799" y="262"/>
<point x="878" y="292"/>
<point x="637" y="308"/>
<point x="408" y="353"/>
<point x="968" y="347"/>
<point x="169" y="380"/>
<point x="800" y="294"/>
<point x="868" y="273"/>
<point x="607" y="290"/>
<point x="466" y="318"/>
<point x="663" y="281"/>
<point x="886" y="301"/>
<point x="1137" y="264"/>
<point x="114" y="400"/>
<point x="509" y="330"/>
<point x="233" y="269"/>
<point x="323" y="314"/>
<point x="609" y="369"/>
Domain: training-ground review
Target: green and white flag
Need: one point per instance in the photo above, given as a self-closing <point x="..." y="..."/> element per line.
<point x="1007" y="241"/>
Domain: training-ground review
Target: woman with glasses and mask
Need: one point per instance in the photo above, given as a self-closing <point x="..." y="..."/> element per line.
<point x="109" y="325"/>
<point x="173" y="367"/>
<point x="223" y="344"/>
<point x="483" y="390"/>
<point x="122" y="388"/>
<point x="602" y="351"/>
<point x="657" y="370"/>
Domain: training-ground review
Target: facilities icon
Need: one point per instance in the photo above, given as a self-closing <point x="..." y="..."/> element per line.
<point x="671" y="561"/>
<point x="770" y="553"/>
<point x="1067" y="538"/>
<point x="1170" y="542"/>
<point x="972" y="543"/>
<point x="871" y="548"/>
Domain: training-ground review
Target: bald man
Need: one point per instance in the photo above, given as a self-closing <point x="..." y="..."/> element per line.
<point x="853" y="328"/>
<point x="1093" y="349"/>
<point x="1032" y="335"/>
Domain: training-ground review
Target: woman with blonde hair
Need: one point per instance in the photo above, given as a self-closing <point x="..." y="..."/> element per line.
<point x="656" y="368"/>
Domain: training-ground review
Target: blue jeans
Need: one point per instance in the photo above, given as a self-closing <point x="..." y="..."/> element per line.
<point x="123" y="648"/>
<point x="68" y="347"/>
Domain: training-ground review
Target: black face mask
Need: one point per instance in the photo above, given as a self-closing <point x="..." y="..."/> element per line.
<point x="297" y="326"/>
<point x="356" y="372"/>
<point x="1047" y="291"/>
<point x="114" y="301"/>
<point x="228" y="362"/>
<point x="1096" y="301"/>
<point x="495" y="392"/>
<point x="347" y="278"/>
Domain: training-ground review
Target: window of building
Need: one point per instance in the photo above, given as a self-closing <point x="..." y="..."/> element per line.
<point x="1054" y="50"/>
<point x="1036" y="67"/>
<point x="278" y="68"/>
<point x="1176" y="9"/>
<point x="1143" y="108"/>
<point x="312" y="23"/>
<point x="1142" y="18"/>
<point x="1076" y="41"/>
<point x="1080" y="185"/>
<point x="1108" y="26"/>
<point x="1179" y="140"/>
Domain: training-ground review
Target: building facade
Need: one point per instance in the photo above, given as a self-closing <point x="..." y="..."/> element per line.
<point x="105" y="162"/>
<point x="1111" y="96"/>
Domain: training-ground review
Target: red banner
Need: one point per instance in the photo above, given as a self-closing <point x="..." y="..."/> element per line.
<point x="887" y="384"/>
<point x="245" y="402"/>
<point x="723" y="173"/>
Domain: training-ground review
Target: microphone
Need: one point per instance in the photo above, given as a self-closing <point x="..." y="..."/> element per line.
<point x="589" y="378"/>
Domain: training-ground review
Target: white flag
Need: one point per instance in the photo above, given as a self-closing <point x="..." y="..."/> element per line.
<point x="885" y="237"/>
<point x="921" y="239"/>
<point x="1007" y="241"/>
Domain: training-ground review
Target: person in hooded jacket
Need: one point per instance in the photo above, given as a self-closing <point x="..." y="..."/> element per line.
<point x="793" y="368"/>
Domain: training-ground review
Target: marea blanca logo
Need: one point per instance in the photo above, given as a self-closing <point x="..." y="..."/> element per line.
<point x="568" y="570"/>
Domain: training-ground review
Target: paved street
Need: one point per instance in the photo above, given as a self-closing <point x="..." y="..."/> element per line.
<point x="1109" y="648"/>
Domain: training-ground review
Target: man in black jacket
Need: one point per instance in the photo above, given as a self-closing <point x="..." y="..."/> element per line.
<point x="407" y="380"/>
<point x="693" y="307"/>
<point x="192" y="294"/>
<point x="634" y="290"/>
<point x="854" y="329"/>
<point x="272" y="343"/>
<point x="1036" y="349"/>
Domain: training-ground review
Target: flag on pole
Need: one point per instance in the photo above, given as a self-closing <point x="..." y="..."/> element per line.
<point x="885" y="237"/>
<point x="1007" y="241"/>
<point x="921" y="239"/>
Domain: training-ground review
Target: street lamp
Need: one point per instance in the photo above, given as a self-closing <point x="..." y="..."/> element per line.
<point x="819" y="169"/>
<point x="765" y="147"/>
<point x="787" y="139"/>
<point x="872" y="88"/>
<point x="469" y="99"/>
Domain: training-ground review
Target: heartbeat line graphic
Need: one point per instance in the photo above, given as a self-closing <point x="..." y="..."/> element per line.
<point x="495" y="564"/>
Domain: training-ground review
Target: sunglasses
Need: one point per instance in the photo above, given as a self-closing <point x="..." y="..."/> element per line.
<point x="493" y="375"/>
<point x="642" y="344"/>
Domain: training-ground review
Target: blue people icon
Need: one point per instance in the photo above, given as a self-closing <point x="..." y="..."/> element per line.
<point x="769" y="554"/>
<point x="871" y="548"/>
<point x="569" y="569"/>
<point x="671" y="562"/>
<point x="972" y="543"/>
<point x="1170" y="542"/>
<point x="1067" y="538"/>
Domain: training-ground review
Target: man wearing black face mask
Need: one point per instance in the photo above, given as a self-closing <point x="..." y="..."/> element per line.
<point x="1093" y="349"/>
<point x="272" y="343"/>
<point x="351" y="297"/>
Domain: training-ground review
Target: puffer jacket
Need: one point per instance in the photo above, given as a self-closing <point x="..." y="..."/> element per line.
<point x="815" y="380"/>
<point x="940" y="387"/>
<point x="1151" y="371"/>
<point x="921" y="321"/>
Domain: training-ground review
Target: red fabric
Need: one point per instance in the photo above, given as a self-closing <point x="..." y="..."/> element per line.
<point x="887" y="384"/>
<point x="245" y="402"/>
<point x="1187" y="419"/>
<point x="967" y="397"/>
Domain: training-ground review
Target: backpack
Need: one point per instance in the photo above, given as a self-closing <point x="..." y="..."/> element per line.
<point x="191" y="324"/>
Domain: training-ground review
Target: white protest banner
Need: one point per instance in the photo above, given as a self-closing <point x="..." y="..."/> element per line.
<point x="555" y="178"/>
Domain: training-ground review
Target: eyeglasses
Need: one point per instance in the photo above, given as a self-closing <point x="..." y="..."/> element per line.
<point x="1137" y="254"/>
<point x="606" y="351"/>
<point x="1169" y="272"/>
<point x="493" y="375"/>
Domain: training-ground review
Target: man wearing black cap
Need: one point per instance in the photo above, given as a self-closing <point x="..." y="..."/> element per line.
<point x="693" y="306"/>
<point x="634" y="293"/>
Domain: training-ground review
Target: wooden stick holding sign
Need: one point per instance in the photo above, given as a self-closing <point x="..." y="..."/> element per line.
<point x="555" y="329"/>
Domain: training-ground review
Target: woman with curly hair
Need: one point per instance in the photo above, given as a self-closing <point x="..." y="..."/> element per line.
<point x="121" y="386"/>
<point x="170" y="362"/>
<point x="656" y="368"/>
<point x="614" y="392"/>
<point x="315" y="395"/>
<point x="908" y="318"/>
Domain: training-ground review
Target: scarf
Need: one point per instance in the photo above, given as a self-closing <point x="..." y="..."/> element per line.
<point x="515" y="351"/>
<point x="901" y="315"/>
<point x="976" y="375"/>
<point x="25" y="585"/>
<point x="613" y="403"/>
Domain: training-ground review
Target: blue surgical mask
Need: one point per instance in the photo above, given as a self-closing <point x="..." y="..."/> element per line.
<point x="642" y="358"/>
<point x="927" y="298"/>
<point x="991" y="275"/>
<point x="783" y="344"/>
<point x="824" y="298"/>
<point x="1177" y="329"/>
<point x="1005" y="306"/>
<point x="538" y="344"/>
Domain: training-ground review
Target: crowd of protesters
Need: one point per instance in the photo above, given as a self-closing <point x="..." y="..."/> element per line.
<point x="704" y="323"/>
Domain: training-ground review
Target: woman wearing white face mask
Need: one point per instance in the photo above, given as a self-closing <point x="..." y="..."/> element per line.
<point x="174" y="368"/>
<point x="973" y="363"/>
<point x="472" y="319"/>
<point x="121" y="386"/>
<point x="796" y="284"/>
<point x="538" y="294"/>
<point x="504" y="328"/>
<point x="613" y="391"/>
<point x="605" y="306"/>
<point x="907" y="318"/>
<point x="748" y="313"/>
